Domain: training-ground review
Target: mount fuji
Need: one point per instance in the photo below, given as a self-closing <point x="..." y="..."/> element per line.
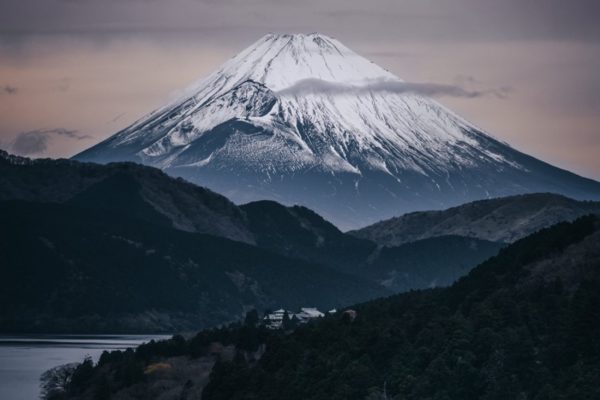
<point x="302" y="119"/>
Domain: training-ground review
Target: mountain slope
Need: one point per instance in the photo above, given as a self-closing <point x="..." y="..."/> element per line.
<point x="428" y="263"/>
<point x="500" y="220"/>
<point x="71" y="269"/>
<point x="300" y="233"/>
<point x="126" y="188"/>
<point x="301" y="119"/>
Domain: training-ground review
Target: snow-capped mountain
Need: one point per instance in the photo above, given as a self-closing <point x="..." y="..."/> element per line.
<point x="302" y="119"/>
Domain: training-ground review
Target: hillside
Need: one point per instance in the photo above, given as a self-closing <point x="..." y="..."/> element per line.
<point x="505" y="219"/>
<point x="428" y="263"/>
<point x="524" y="324"/>
<point x="128" y="188"/>
<point x="301" y="233"/>
<point x="69" y="269"/>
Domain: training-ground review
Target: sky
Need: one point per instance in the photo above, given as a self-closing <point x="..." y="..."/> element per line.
<point x="74" y="72"/>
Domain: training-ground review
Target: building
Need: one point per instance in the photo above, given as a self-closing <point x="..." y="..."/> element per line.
<point x="308" y="313"/>
<point x="274" y="320"/>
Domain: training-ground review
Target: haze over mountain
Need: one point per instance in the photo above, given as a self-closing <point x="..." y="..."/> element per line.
<point x="500" y="220"/>
<point x="302" y="119"/>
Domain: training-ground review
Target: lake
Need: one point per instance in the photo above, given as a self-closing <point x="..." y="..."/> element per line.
<point x="24" y="358"/>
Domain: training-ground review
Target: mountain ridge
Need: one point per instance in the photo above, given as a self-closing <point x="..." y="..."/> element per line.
<point x="188" y="207"/>
<point x="504" y="219"/>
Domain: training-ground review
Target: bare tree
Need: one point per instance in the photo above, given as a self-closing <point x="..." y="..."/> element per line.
<point x="54" y="382"/>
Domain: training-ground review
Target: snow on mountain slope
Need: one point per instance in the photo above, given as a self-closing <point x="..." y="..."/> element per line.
<point x="303" y="119"/>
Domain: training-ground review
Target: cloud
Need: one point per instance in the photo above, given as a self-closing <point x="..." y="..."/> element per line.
<point x="8" y="89"/>
<point x="312" y="86"/>
<point x="73" y="134"/>
<point x="36" y="141"/>
<point x="27" y="143"/>
<point x="470" y="20"/>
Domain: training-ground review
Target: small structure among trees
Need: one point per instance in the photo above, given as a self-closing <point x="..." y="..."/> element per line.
<point x="284" y="319"/>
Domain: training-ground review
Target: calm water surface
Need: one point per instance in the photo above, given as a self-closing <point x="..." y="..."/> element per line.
<point x="24" y="358"/>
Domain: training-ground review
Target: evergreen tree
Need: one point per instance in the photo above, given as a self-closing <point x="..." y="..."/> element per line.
<point x="286" y="322"/>
<point x="251" y="318"/>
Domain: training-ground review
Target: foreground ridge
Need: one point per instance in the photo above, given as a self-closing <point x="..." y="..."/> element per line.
<point x="523" y="324"/>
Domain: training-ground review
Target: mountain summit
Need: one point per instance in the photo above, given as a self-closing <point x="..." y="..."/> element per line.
<point x="302" y="119"/>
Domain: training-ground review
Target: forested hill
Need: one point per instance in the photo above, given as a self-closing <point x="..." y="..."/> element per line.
<point x="522" y="325"/>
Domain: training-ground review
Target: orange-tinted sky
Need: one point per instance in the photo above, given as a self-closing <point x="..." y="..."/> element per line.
<point x="73" y="72"/>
